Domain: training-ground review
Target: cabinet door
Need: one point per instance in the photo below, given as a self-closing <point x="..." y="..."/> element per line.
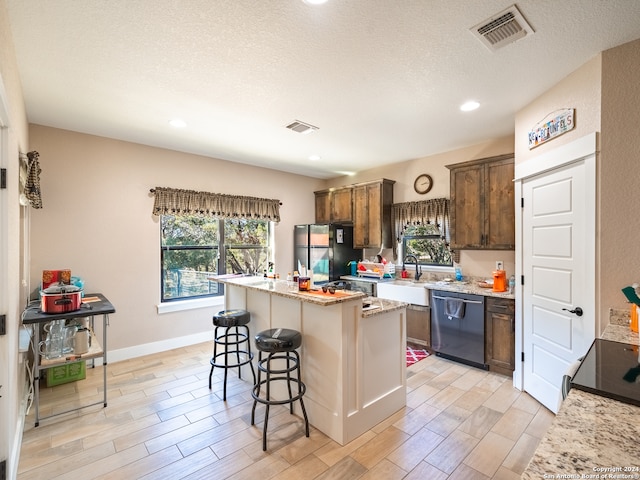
<point x="467" y="207"/>
<point x="500" y="335"/>
<point x="341" y="205"/>
<point x="367" y="216"/>
<point x="500" y="207"/>
<point x="374" y="215"/>
<point x="360" y="217"/>
<point x="323" y="207"/>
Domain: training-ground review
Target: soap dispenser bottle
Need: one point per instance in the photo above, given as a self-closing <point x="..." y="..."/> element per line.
<point x="458" y="270"/>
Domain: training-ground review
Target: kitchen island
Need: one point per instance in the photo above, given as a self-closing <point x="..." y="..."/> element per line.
<point x="353" y="359"/>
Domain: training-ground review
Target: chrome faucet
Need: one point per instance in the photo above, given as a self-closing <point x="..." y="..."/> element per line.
<point x="415" y="259"/>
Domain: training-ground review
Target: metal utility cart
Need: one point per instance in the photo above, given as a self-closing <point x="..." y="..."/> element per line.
<point x="93" y="304"/>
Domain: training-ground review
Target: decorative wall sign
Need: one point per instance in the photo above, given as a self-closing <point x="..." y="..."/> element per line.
<point x="552" y="126"/>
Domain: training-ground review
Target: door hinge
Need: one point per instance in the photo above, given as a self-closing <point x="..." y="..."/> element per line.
<point x="522" y="357"/>
<point x="3" y="178"/>
<point x="521" y="279"/>
<point x="3" y="324"/>
<point x="522" y="202"/>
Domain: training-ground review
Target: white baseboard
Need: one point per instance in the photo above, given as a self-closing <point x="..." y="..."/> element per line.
<point x="156" y="347"/>
<point x="12" y="465"/>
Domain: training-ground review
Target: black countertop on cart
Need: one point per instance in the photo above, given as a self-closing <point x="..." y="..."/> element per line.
<point x="34" y="314"/>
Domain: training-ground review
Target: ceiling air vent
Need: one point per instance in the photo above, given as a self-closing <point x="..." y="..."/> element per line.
<point x="301" y="127"/>
<point x="502" y="29"/>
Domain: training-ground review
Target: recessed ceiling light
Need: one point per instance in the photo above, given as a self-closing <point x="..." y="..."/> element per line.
<point x="314" y="158"/>
<point x="177" y="123"/>
<point x="469" y="106"/>
<point x="314" y="2"/>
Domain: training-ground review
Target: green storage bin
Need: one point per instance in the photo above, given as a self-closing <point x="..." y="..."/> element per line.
<point x="70" y="372"/>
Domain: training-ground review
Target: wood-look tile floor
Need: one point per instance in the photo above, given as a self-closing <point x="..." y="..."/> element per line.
<point x="163" y="422"/>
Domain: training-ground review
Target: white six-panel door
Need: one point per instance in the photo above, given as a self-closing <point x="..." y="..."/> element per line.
<point x="558" y="300"/>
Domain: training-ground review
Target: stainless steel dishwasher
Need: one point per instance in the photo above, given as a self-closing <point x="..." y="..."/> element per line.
<point x="458" y="337"/>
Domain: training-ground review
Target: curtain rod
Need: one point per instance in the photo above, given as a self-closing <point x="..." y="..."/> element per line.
<point x="153" y="190"/>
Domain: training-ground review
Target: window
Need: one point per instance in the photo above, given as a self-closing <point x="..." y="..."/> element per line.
<point x="427" y="244"/>
<point x="195" y="247"/>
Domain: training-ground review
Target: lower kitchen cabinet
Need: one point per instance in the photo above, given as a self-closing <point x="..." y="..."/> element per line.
<point x="419" y="325"/>
<point x="500" y="338"/>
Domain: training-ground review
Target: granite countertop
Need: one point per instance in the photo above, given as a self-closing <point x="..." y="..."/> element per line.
<point x="471" y="287"/>
<point x="318" y="297"/>
<point x="592" y="436"/>
<point x="620" y="333"/>
<point x="381" y="305"/>
<point x="283" y="289"/>
<point x="589" y="434"/>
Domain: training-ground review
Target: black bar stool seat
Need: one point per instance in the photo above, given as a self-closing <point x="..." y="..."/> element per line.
<point x="232" y="333"/>
<point x="279" y="345"/>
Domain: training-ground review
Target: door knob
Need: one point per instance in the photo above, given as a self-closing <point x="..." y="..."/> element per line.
<point x="578" y="311"/>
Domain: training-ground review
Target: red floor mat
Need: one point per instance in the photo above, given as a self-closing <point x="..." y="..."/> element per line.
<point x="415" y="355"/>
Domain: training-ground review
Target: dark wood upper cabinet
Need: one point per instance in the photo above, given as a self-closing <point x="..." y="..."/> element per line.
<point x="482" y="208"/>
<point x="365" y="205"/>
<point x="334" y="205"/>
<point x="372" y="214"/>
<point x="323" y="206"/>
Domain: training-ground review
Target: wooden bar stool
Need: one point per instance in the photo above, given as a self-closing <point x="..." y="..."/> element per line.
<point x="279" y="344"/>
<point x="232" y="333"/>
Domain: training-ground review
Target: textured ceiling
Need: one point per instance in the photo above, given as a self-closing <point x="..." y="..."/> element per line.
<point x="382" y="79"/>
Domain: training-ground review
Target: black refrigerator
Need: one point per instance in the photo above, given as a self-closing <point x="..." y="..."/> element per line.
<point x="325" y="250"/>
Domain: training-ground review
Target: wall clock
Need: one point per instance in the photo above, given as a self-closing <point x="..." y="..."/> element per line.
<point x="423" y="184"/>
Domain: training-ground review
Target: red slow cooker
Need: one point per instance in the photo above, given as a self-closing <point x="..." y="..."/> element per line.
<point x="61" y="299"/>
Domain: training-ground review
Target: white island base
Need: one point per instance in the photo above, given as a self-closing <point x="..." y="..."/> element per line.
<point x="353" y="363"/>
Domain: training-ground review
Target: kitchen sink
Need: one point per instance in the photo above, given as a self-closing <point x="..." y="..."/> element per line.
<point x="404" y="291"/>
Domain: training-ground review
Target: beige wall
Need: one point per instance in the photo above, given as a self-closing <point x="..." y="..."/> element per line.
<point x="580" y="90"/>
<point x="619" y="173"/>
<point x="97" y="221"/>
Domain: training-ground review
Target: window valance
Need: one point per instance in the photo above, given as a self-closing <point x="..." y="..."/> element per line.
<point x="171" y="201"/>
<point x="434" y="211"/>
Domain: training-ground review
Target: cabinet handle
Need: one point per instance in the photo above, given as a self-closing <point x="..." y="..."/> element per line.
<point x="437" y="297"/>
<point x="513" y="324"/>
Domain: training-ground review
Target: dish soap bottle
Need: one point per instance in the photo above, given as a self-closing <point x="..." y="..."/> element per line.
<point x="458" y="271"/>
<point x="512" y="284"/>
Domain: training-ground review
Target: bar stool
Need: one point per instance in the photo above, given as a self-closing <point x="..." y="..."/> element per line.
<point x="231" y="333"/>
<point x="279" y="344"/>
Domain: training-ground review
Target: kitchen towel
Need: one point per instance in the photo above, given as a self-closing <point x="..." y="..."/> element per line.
<point x="454" y="308"/>
<point x="631" y="295"/>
